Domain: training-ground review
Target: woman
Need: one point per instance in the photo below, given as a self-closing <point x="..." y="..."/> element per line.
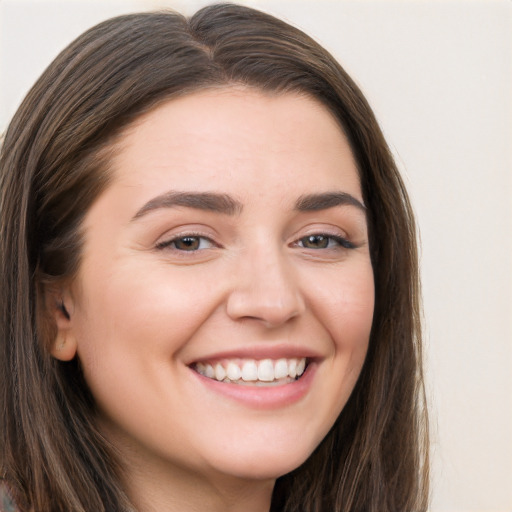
<point x="209" y="279"/>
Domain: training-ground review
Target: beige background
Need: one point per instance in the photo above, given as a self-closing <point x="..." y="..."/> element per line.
<point x="439" y="76"/>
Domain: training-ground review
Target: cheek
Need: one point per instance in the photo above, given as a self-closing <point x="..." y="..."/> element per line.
<point x="345" y="304"/>
<point x="356" y="302"/>
<point x="131" y="329"/>
<point x="346" y="312"/>
<point x="137" y="312"/>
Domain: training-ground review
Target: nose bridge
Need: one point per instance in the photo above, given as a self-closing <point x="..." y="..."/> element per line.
<point x="265" y="285"/>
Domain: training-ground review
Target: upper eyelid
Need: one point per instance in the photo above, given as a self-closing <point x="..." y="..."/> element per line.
<point x="211" y="234"/>
<point x="314" y="232"/>
<point x="165" y="241"/>
<point x="184" y="231"/>
<point x="330" y="230"/>
<point x="341" y="240"/>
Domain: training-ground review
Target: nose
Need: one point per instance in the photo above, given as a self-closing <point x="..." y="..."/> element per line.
<point x="265" y="288"/>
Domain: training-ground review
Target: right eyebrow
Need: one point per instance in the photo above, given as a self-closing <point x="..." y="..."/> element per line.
<point x="210" y="201"/>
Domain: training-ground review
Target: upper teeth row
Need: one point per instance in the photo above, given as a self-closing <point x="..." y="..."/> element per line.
<point x="265" y="370"/>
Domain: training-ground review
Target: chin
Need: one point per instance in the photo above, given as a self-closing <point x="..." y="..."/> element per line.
<point x="264" y="464"/>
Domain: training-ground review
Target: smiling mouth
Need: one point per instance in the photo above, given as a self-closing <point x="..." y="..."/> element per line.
<point x="252" y="372"/>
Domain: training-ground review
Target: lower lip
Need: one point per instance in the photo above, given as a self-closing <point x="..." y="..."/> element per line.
<point x="263" y="397"/>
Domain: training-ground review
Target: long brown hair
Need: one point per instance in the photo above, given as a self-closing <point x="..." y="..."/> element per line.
<point x="55" y="162"/>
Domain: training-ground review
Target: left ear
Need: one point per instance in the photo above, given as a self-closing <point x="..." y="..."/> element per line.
<point x="59" y="305"/>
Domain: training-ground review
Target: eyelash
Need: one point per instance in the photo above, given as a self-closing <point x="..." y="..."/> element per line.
<point x="167" y="244"/>
<point x="341" y="243"/>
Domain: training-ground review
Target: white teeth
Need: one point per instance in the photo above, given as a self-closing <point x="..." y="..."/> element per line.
<point x="292" y="368"/>
<point x="209" y="371"/>
<point x="266" y="370"/>
<point x="256" y="372"/>
<point x="281" y="369"/>
<point x="233" y="371"/>
<point x="301" y="366"/>
<point x="220" y="373"/>
<point x="249" y="371"/>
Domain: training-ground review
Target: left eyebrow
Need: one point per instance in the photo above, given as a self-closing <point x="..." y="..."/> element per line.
<point x="315" y="202"/>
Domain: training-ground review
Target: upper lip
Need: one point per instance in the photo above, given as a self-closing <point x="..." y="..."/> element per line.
<point x="260" y="352"/>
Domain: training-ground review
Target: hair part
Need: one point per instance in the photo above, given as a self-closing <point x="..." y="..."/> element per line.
<point x="54" y="164"/>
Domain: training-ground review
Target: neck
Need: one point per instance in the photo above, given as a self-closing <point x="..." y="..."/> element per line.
<point x="183" y="493"/>
<point x="170" y="488"/>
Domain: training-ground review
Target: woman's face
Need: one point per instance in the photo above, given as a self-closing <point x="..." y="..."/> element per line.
<point x="229" y="254"/>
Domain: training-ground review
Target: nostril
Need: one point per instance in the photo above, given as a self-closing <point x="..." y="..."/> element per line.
<point x="264" y="286"/>
<point x="270" y="306"/>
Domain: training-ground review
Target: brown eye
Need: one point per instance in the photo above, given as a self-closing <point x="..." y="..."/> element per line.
<point x="321" y="241"/>
<point x="188" y="243"/>
<point x="315" y="242"/>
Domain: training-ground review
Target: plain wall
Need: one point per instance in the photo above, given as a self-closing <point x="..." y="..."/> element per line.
<point x="439" y="76"/>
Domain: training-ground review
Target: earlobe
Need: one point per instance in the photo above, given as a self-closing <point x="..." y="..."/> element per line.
<point x="64" y="347"/>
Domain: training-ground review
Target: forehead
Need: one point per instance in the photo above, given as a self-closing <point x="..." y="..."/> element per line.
<point x="220" y="136"/>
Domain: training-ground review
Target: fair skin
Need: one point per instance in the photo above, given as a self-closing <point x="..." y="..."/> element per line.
<point x="233" y="232"/>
